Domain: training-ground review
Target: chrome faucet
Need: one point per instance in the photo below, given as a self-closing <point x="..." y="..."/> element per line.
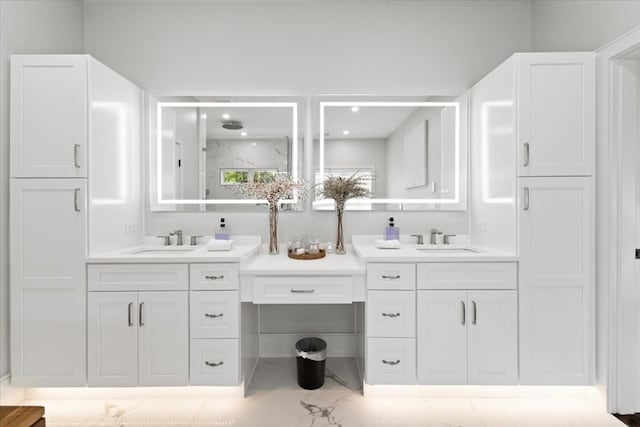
<point x="420" y="238"/>
<point x="446" y="238"/>
<point x="178" y="234"/>
<point x="434" y="234"/>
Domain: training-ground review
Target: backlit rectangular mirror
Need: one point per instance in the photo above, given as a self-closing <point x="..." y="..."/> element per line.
<point x="200" y="150"/>
<point x="412" y="151"/>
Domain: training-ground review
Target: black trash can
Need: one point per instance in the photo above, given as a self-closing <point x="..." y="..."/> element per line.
<point x="311" y="358"/>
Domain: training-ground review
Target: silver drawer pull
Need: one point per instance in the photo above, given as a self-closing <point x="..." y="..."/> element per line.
<point x="463" y="313"/>
<point x="302" y="291"/>
<point x="130" y="314"/>
<point x="527" y="154"/>
<point x="391" y="276"/>
<point x="526" y="198"/>
<point x="76" y="148"/>
<point x="213" y="316"/>
<point x="214" y="364"/>
<point x="214" y="277"/>
<point x="391" y="362"/>
<point x="475" y="313"/>
<point x="391" y="314"/>
<point x="141" y="315"/>
<point x="76" y="202"/>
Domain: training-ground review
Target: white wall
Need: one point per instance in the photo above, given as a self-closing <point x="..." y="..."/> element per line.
<point x="580" y="25"/>
<point x="303" y="48"/>
<point x="47" y="26"/>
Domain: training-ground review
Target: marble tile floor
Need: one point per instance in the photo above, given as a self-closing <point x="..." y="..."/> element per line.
<point x="275" y="400"/>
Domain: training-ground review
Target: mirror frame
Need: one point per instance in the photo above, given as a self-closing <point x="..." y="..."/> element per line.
<point x="459" y="202"/>
<point x="157" y="203"/>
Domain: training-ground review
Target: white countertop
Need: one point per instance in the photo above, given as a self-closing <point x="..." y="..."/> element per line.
<point x="331" y="265"/>
<point x="243" y="247"/>
<point x="364" y="246"/>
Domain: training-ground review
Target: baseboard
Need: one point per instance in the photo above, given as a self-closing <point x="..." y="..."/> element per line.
<point x="283" y="345"/>
<point x="479" y="391"/>
<point x="97" y="393"/>
<point x="10" y="395"/>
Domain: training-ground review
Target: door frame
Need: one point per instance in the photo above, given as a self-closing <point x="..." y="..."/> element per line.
<point x="618" y="299"/>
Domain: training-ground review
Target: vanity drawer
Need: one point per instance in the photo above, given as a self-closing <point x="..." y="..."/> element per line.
<point x="391" y="314"/>
<point x="214" y="362"/>
<point x="468" y="275"/>
<point x="391" y="276"/>
<point x="213" y="276"/>
<point x="137" y="277"/>
<point x="391" y="361"/>
<point x="214" y="314"/>
<point x="303" y="290"/>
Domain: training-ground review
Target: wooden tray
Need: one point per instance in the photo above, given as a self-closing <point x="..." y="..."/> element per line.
<point x="319" y="255"/>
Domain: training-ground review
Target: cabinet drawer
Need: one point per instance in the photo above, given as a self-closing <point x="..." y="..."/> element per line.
<point x="391" y="276"/>
<point x="391" y="314"/>
<point x="391" y="361"/>
<point x="213" y="276"/>
<point x="138" y="277"/>
<point x="214" y="362"/>
<point x="302" y="290"/>
<point x="467" y="275"/>
<point x="214" y="314"/>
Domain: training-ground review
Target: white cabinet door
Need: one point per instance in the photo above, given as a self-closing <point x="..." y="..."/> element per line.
<point x="556" y="114"/>
<point x="48" y="115"/>
<point x="556" y="280"/>
<point x="163" y="338"/>
<point x="492" y="337"/>
<point x="112" y="345"/>
<point x="48" y="288"/>
<point x="214" y="362"/>
<point x="442" y="337"/>
<point x="391" y="361"/>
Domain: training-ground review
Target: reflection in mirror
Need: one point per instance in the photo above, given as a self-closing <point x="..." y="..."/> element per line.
<point x="203" y="150"/>
<point x="413" y="151"/>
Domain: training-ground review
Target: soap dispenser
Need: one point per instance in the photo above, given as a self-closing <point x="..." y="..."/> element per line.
<point x="222" y="232"/>
<point x="391" y="232"/>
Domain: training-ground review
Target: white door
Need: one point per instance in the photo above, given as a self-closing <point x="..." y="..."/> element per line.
<point x="48" y="115"/>
<point x="556" y="280"/>
<point x="163" y="338"/>
<point x="492" y="337"/>
<point x="442" y="337"/>
<point x="556" y="114"/>
<point x="112" y="341"/>
<point x="48" y="288"/>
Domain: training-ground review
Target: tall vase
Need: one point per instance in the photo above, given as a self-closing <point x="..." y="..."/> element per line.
<point x="340" y="249"/>
<point x="273" y="230"/>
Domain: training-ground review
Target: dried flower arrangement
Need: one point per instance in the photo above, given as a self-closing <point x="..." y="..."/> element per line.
<point x="340" y="190"/>
<point x="283" y="186"/>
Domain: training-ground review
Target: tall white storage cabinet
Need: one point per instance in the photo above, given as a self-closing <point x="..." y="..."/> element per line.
<point x="56" y="103"/>
<point x="535" y="113"/>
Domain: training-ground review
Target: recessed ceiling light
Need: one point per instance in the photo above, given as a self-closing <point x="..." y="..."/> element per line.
<point x="355" y="109"/>
<point x="226" y="116"/>
<point x="253" y="143"/>
<point x="345" y="132"/>
<point x="243" y="133"/>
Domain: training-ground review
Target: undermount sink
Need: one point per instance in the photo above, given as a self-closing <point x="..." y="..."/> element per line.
<point x="164" y="250"/>
<point x="445" y="250"/>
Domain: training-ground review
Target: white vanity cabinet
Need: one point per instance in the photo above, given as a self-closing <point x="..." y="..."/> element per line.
<point x="214" y="324"/>
<point x="138" y="325"/>
<point x="467" y="334"/>
<point x="390" y="313"/>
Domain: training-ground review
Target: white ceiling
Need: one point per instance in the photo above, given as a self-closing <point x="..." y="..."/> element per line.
<point x="258" y="122"/>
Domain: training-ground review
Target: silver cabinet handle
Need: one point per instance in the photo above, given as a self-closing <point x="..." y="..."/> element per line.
<point x="390" y="362"/>
<point x="76" y="148"/>
<point x="302" y="291"/>
<point x="463" y="313"/>
<point x="527" y="154"/>
<point x="474" y="319"/>
<point x="213" y="316"/>
<point x="214" y="364"/>
<point x="76" y="197"/>
<point x="130" y="314"/>
<point x="391" y="276"/>
<point x="214" y="277"/>
<point x="141" y="314"/>
<point x="434" y="187"/>
<point x="526" y="198"/>
<point x="391" y="314"/>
